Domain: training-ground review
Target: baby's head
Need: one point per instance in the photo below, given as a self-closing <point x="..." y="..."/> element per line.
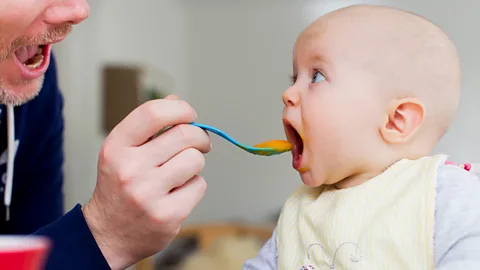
<point x="371" y="85"/>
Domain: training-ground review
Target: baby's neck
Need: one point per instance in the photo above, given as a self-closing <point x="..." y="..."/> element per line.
<point x="365" y="169"/>
<point x="364" y="172"/>
<point x="356" y="180"/>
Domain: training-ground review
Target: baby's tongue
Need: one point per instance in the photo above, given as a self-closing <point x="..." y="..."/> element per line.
<point x="25" y="53"/>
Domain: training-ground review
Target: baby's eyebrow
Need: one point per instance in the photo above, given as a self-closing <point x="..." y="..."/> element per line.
<point x="318" y="58"/>
<point x="312" y="58"/>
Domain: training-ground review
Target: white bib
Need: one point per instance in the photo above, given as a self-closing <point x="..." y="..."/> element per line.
<point x="385" y="223"/>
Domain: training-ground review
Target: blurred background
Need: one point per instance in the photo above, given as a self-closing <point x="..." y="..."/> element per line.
<point x="231" y="60"/>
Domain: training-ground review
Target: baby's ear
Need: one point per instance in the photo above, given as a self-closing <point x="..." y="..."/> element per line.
<point x="405" y="117"/>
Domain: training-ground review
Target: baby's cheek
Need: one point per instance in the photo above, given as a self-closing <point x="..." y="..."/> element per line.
<point x="324" y="123"/>
<point x="329" y="138"/>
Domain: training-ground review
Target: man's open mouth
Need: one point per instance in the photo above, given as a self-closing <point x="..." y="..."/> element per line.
<point x="31" y="56"/>
<point x="297" y="142"/>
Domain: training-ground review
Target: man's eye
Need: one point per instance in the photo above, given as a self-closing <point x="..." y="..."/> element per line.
<point x="317" y="77"/>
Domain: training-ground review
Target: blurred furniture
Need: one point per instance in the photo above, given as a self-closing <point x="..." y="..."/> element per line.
<point x="207" y="234"/>
<point x="125" y="87"/>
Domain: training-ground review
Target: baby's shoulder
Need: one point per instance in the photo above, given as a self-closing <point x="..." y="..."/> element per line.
<point x="457" y="213"/>
<point x="457" y="197"/>
<point x="454" y="180"/>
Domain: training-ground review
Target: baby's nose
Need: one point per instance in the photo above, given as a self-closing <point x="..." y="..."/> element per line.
<point x="290" y="97"/>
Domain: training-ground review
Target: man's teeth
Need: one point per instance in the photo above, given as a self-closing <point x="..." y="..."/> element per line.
<point x="36" y="61"/>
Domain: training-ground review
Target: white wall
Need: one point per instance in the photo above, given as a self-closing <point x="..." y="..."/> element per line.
<point x="239" y="65"/>
<point x="147" y="32"/>
<point x="231" y="60"/>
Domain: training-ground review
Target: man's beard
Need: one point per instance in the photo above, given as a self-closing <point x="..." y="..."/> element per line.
<point x="8" y="96"/>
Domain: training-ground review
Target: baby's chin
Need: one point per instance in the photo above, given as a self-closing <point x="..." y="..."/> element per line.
<point x="309" y="180"/>
<point x="317" y="178"/>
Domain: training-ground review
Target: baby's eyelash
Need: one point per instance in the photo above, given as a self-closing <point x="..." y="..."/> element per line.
<point x="293" y="78"/>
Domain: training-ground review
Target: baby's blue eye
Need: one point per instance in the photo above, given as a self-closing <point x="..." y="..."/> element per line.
<point x="317" y="77"/>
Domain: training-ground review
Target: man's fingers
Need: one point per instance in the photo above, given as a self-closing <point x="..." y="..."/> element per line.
<point x="159" y="181"/>
<point x="173" y="141"/>
<point x="149" y="118"/>
<point x="180" y="169"/>
<point x="178" y="205"/>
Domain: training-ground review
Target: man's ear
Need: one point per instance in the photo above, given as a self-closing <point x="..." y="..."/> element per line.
<point x="405" y="116"/>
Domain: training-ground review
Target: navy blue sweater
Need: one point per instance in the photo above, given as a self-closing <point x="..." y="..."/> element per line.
<point x="37" y="195"/>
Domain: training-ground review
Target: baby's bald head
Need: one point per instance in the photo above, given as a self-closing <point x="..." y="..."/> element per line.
<point x="371" y="85"/>
<point x="407" y="56"/>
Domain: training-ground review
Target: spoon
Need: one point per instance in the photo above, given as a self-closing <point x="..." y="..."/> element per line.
<point x="268" y="148"/>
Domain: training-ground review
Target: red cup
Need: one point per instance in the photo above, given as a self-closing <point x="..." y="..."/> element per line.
<point x="23" y="252"/>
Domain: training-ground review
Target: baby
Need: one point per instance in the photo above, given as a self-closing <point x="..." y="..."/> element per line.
<point x="374" y="89"/>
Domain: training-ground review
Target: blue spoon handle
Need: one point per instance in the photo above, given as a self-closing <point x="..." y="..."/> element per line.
<point x="221" y="134"/>
<point x="251" y="149"/>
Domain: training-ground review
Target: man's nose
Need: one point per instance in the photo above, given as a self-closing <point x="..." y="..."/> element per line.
<point x="67" y="11"/>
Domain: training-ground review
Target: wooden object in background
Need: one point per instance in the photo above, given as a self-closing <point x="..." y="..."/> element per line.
<point x="207" y="234"/>
<point x="122" y="88"/>
<point x="125" y="87"/>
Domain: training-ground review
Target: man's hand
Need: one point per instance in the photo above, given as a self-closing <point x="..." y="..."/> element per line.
<point x="147" y="187"/>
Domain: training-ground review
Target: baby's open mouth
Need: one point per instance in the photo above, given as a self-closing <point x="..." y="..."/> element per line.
<point x="31" y="56"/>
<point x="297" y="142"/>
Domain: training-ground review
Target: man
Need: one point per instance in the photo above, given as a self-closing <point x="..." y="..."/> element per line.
<point x="145" y="187"/>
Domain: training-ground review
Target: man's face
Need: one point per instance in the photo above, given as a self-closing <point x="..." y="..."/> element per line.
<point x="27" y="30"/>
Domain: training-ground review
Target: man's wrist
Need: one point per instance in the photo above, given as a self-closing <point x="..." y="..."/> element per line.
<point x="107" y="241"/>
